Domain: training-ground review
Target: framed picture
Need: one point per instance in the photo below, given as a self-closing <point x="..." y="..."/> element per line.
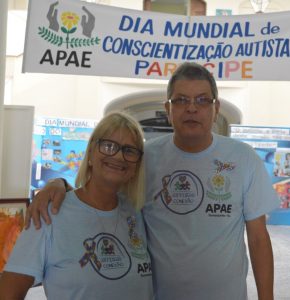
<point x="223" y="12"/>
<point x="12" y="213"/>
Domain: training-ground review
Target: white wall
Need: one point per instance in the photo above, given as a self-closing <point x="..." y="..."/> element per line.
<point x="51" y="94"/>
<point x="269" y="103"/>
<point x="3" y="22"/>
<point x="15" y="173"/>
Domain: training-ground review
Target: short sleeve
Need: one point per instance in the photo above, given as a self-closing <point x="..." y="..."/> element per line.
<point x="29" y="253"/>
<point x="260" y="197"/>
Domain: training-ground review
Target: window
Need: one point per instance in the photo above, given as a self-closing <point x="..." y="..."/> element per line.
<point x="178" y="7"/>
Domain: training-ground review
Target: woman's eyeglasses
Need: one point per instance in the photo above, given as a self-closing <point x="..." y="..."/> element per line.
<point x="111" y="148"/>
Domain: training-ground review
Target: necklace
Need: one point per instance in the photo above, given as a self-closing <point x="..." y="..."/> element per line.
<point x="103" y="215"/>
<point x="108" y="219"/>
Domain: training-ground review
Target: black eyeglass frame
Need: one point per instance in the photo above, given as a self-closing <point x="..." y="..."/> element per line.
<point x="123" y="148"/>
<point x="183" y="101"/>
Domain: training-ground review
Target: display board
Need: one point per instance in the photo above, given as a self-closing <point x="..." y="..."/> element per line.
<point x="272" y="144"/>
<point x="58" y="149"/>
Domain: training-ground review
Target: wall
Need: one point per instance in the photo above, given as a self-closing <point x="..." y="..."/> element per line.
<point x="3" y="22"/>
<point x="15" y="173"/>
<point x="269" y="103"/>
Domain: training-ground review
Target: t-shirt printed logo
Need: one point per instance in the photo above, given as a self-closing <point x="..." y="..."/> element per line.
<point x="135" y="242"/>
<point x="182" y="192"/>
<point x="107" y="255"/>
<point x="218" y="187"/>
<point x="218" y="190"/>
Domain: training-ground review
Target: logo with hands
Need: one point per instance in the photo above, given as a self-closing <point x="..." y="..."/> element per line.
<point x="69" y="21"/>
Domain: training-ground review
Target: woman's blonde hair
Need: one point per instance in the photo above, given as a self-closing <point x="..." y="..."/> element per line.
<point x="134" y="189"/>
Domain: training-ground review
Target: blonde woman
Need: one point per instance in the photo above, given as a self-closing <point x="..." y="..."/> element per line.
<point x="96" y="248"/>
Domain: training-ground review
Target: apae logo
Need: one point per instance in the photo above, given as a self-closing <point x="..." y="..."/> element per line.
<point x="70" y="37"/>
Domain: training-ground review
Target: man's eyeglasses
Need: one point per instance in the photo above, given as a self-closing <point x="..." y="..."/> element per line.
<point x="111" y="148"/>
<point x="197" y="101"/>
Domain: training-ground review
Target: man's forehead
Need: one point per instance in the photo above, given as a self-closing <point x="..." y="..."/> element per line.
<point x="198" y="85"/>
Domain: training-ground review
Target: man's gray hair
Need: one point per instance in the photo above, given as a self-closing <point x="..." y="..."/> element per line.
<point x="191" y="71"/>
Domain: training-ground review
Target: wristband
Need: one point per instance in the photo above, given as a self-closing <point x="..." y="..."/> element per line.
<point x="66" y="185"/>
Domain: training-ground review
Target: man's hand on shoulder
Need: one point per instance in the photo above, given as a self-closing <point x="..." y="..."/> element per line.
<point x="53" y="191"/>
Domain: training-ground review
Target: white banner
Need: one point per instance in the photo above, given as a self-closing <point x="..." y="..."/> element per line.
<point x="76" y="37"/>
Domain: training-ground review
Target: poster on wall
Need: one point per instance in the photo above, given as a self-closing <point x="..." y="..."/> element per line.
<point x="272" y="144"/>
<point x="58" y="149"/>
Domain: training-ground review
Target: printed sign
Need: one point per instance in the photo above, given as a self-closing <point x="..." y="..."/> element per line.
<point x="76" y="37"/>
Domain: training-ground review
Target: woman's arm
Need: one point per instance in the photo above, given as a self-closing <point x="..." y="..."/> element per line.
<point x="14" y="285"/>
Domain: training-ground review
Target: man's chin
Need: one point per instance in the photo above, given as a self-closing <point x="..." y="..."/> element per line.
<point x="191" y="134"/>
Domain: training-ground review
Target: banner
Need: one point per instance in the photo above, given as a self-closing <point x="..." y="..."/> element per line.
<point x="76" y="37"/>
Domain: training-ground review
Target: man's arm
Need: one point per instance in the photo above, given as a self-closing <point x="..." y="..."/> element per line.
<point x="14" y="286"/>
<point x="261" y="254"/>
<point x="54" y="191"/>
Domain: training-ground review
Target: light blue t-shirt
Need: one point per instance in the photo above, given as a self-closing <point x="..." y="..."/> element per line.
<point x="87" y="253"/>
<point x="195" y="214"/>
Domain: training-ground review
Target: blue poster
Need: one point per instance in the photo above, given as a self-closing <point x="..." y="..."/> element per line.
<point x="273" y="146"/>
<point x="58" y="149"/>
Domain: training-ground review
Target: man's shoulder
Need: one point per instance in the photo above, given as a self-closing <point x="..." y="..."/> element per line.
<point x="229" y="141"/>
<point x="69" y="204"/>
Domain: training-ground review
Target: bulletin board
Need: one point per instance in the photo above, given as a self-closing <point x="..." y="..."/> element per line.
<point x="59" y="146"/>
<point x="272" y="144"/>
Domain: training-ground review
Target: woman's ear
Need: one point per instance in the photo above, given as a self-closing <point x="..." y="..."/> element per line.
<point x="89" y="156"/>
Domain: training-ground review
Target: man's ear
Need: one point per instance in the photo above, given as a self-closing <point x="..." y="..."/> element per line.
<point x="167" y="108"/>
<point x="217" y="109"/>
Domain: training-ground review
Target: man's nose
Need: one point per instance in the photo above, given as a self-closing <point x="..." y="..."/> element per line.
<point x="191" y="106"/>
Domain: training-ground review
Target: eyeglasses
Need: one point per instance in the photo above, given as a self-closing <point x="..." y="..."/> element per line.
<point x="197" y="101"/>
<point x="111" y="148"/>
